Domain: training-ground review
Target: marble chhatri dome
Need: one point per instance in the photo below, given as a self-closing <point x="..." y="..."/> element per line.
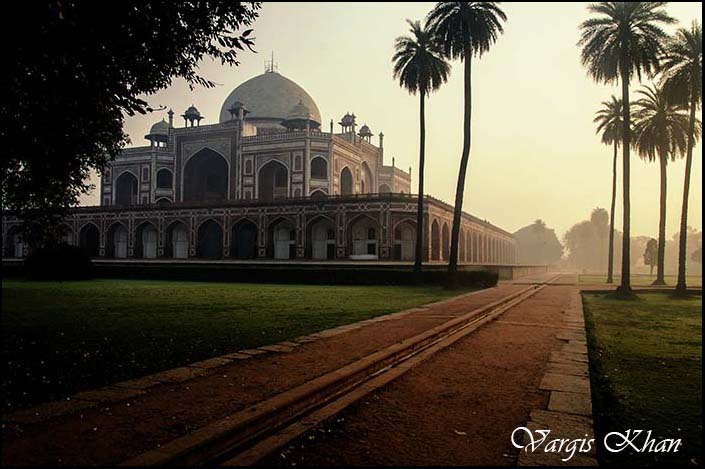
<point x="269" y="97"/>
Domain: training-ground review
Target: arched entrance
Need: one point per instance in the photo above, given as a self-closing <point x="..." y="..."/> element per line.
<point x="126" y="187"/>
<point x="273" y="181"/>
<point x="210" y="240"/>
<point x="461" y="246"/>
<point x="385" y="189"/>
<point x="405" y="241"/>
<point x="445" y="233"/>
<point x="319" y="168"/>
<point x="435" y="241"/>
<point x="14" y="245"/>
<point x="206" y="177"/>
<point x="367" y="181"/>
<point x="146" y="241"/>
<point x="318" y="194"/>
<point x="282" y="236"/>
<point x="176" y="245"/>
<point x="243" y="244"/>
<point x="364" y="234"/>
<point x="346" y="181"/>
<point x="117" y="241"/>
<point x="89" y="239"/>
<point x="322" y="239"/>
<point x="164" y="179"/>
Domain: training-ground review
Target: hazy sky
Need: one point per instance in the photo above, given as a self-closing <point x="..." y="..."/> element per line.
<point x="534" y="150"/>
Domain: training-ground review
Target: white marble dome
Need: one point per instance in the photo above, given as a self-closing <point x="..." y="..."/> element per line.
<point x="269" y="98"/>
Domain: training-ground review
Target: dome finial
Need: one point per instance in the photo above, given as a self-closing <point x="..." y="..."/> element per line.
<point x="271" y="66"/>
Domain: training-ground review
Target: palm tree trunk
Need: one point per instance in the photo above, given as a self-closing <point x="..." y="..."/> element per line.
<point x="460" y="189"/>
<point x="610" y="257"/>
<point x="660" y="279"/>
<point x="625" y="285"/>
<point x="683" y="236"/>
<point x="422" y="161"/>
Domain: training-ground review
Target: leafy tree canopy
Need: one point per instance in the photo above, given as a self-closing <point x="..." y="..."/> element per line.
<point x="79" y="68"/>
<point x="651" y="253"/>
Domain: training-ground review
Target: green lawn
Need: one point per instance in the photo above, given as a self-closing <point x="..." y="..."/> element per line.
<point x="641" y="280"/>
<point x="646" y="372"/>
<point x="59" y="338"/>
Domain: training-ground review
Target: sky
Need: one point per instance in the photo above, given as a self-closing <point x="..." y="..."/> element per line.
<point x="534" y="150"/>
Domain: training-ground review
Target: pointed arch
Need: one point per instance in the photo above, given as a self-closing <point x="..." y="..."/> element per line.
<point x="209" y="239"/>
<point x="347" y="186"/>
<point x="273" y="181"/>
<point x="205" y="177"/>
<point x="146" y="240"/>
<point x="126" y="189"/>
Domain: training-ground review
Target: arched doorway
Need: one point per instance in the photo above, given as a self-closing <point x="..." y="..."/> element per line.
<point x="405" y="241"/>
<point x="435" y="241"/>
<point x="445" y="233"/>
<point x="282" y="239"/>
<point x="210" y="240"/>
<point x="346" y="181"/>
<point x="319" y="168"/>
<point x="322" y="239"/>
<point x="146" y="241"/>
<point x="165" y="180"/>
<point x="117" y="241"/>
<point x="367" y="181"/>
<point x="470" y="249"/>
<point x="364" y="234"/>
<point x="206" y="177"/>
<point x="318" y="194"/>
<point x="461" y="246"/>
<point x="176" y="245"/>
<point x="243" y="244"/>
<point x="273" y="181"/>
<point x="126" y="187"/>
<point x="14" y="245"/>
<point x="385" y="189"/>
<point x="89" y="239"/>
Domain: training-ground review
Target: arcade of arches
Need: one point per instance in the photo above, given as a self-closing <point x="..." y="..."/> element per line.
<point x="316" y="236"/>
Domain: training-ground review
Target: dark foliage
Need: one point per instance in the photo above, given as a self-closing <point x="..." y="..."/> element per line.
<point x="58" y="262"/>
<point x="78" y="69"/>
<point x="298" y="275"/>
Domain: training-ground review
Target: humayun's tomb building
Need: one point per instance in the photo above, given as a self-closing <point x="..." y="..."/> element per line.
<point x="265" y="182"/>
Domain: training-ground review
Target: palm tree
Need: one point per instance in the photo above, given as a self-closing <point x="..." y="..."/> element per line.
<point x="660" y="133"/>
<point x="420" y="68"/>
<point x="465" y="29"/>
<point x="609" y="122"/>
<point x="682" y="81"/>
<point x="623" y="40"/>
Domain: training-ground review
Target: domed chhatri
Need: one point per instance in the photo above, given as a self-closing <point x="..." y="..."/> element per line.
<point x="192" y="115"/>
<point x="269" y="97"/>
<point x="300" y="117"/>
<point x="160" y="128"/>
<point x="158" y="133"/>
<point x="365" y="132"/>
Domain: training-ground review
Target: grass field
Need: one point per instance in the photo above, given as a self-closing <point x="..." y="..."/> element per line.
<point x="646" y="372"/>
<point x="640" y="280"/>
<point x="59" y="338"/>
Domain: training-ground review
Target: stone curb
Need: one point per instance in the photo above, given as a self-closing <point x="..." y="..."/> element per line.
<point x="135" y="387"/>
<point x="569" y="410"/>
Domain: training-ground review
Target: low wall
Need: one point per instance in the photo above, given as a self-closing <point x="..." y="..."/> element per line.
<point x="513" y="272"/>
<point x="209" y="268"/>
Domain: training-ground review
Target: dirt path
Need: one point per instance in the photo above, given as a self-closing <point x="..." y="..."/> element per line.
<point x="458" y="408"/>
<point x="111" y="433"/>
